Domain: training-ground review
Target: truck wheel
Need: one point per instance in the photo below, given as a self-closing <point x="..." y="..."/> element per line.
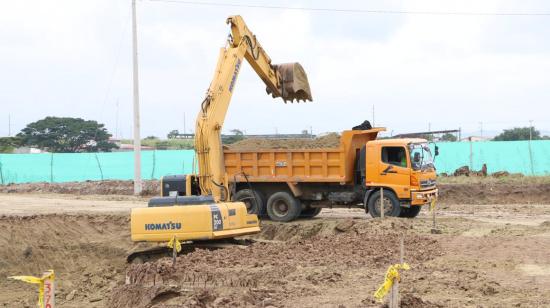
<point x="282" y="206"/>
<point x="253" y="200"/>
<point x="391" y="204"/>
<point x="310" y="212"/>
<point x="411" y="212"/>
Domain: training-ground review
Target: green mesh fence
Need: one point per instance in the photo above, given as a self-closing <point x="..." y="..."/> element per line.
<point x="68" y="167"/>
<point x="511" y="156"/>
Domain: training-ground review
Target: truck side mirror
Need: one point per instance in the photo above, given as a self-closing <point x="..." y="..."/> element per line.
<point x="436" y="150"/>
<point x="416" y="157"/>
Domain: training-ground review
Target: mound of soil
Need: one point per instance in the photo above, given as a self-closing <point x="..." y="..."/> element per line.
<point x="497" y="193"/>
<point x="331" y="140"/>
<point x="109" y="187"/>
<point x="314" y="258"/>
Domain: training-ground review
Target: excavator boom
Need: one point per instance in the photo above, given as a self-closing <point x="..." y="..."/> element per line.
<point x="288" y="81"/>
<point x="211" y="215"/>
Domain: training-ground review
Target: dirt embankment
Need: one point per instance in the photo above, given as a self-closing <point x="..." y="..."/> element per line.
<point x="331" y="140"/>
<point x="459" y="193"/>
<point x="303" y="264"/>
<point x="87" y="253"/>
<point x="494" y="193"/>
<point x="108" y="187"/>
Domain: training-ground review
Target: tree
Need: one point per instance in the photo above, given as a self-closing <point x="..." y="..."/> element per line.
<point x="238" y="135"/>
<point x="67" y="135"/>
<point x="448" y="137"/>
<point x="8" y="144"/>
<point x="518" y="133"/>
<point x="173" y="134"/>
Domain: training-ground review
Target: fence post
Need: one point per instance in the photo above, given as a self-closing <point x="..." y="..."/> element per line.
<point x="154" y="164"/>
<point x="99" y="165"/>
<point x="51" y="169"/>
<point x="1" y="174"/>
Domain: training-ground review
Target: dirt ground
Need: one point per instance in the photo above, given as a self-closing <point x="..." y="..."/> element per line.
<point x="492" y="252"/>
<point x="488" y="255"/>
<point x="474" y="190"/>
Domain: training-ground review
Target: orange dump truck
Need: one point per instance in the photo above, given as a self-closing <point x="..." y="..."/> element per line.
<point x="285" y="184"/>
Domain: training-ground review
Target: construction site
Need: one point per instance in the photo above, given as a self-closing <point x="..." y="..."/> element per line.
<point x="352" y="216"/>
<point x="492" y="252"/>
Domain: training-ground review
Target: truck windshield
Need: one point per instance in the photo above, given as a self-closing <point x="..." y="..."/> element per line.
<point x="421" y="156"/>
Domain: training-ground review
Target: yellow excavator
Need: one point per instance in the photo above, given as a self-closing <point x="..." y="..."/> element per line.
<point x="204" y="212"/>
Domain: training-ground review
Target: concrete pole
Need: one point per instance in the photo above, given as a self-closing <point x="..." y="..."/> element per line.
<point x="137" y="137"/>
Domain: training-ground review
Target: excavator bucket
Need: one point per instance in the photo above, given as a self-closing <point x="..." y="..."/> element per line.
<point x="294" y="82"/>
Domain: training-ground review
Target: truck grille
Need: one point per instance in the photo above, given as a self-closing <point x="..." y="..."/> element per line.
<point x="427" y="183"/>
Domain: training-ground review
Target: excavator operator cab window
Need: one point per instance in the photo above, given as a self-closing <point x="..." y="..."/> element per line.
<point x="396" y="156"/>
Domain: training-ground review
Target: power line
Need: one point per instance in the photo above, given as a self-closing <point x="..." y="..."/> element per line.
<point x="360" y="11"/>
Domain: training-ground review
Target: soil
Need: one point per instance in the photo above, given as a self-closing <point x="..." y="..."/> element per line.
<point x="460" y="193"/>
<point x="493" y="255"/>
<point x="331" y="140"/>
<point x="111" y="187"/>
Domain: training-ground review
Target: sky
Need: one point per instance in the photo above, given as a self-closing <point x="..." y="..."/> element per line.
<point x="72" y="58"/>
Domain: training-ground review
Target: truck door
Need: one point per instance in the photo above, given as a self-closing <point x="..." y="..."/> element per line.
<point x="394" y="170"/>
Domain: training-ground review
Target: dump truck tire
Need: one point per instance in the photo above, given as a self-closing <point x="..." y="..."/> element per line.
<point x="391" y="203"/>
<point x="282" y="206"/>
<point x="310" y="212"/>
<point x="411" y="212"/>
<point x="253" y="199"/>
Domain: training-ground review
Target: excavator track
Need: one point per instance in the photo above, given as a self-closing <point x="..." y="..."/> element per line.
<point x="154" y="253"/>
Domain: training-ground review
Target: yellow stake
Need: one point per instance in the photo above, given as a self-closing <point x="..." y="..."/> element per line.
<point x="49" y="275"/>
<point x="391" y="276"/>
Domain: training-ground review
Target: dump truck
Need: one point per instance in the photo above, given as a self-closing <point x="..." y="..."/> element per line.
<point x="285" y="184"/>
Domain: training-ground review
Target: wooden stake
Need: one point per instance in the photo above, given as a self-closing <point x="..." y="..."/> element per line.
<point x="174" y="255"/>
<point x="394" y="293"/>
<point x="382" y="203"/>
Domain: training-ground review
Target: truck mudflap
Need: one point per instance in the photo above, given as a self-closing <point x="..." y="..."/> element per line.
<point x="423" y="197"/>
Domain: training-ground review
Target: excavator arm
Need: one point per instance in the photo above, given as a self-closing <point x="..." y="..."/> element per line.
<point x="288" y="81"/>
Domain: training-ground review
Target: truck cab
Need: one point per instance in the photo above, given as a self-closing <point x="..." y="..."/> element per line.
<point x="405" y="169"/>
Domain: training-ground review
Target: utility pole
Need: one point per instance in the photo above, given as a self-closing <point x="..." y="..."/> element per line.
<point x="137" y="138"/>
<point x="373" y="115"/>
<point x="481" y="129"/>
<point x="530" y="149"/>
<point x="184" y="128"/>
<point x="9" y="125"/>
<point x="116" y="120"/>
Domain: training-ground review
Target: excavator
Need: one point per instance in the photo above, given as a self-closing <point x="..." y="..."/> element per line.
<point x="204" y="211"/>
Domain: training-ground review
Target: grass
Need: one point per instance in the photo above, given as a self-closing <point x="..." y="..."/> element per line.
<point x="168" y="144"/>
<point x="509" y="179"/>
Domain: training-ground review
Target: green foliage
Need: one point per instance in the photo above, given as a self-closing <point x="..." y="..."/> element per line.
<point x="173" y="134"/>
<point x="8" y="144"/>
<point x="518" y="133"/>
<point x="169" y="144"/>
<point x="67" y="135"/>
<point x="238" y="135"/>
<point x="448" y="137"/>
<point x="151" y="138"/>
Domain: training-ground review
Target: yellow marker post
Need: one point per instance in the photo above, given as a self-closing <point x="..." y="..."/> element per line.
<point x="392" y="275"/>
<point x="46" y="290"/>
<point x="176" y="247"/>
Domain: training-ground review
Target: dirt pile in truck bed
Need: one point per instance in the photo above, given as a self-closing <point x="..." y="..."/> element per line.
<point x="331" y="140"/>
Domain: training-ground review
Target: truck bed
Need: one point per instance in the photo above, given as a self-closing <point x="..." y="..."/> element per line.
<point x="299" y="165"/>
